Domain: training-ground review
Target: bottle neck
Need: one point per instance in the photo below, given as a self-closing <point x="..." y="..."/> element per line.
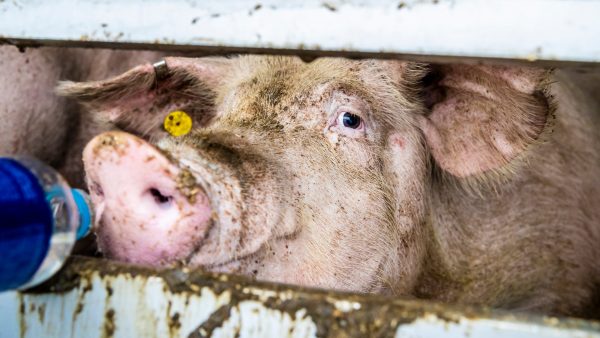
<point x="86" y="213"/>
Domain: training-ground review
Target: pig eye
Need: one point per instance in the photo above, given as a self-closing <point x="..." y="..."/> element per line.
<point x="347" y="123"/>
<point x="350" y="120"/>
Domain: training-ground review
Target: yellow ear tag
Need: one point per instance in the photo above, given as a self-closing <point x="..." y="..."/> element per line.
<point x="178" y="123"/>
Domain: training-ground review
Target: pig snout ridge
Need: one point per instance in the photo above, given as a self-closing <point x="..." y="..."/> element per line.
<point x="132" y="183"/>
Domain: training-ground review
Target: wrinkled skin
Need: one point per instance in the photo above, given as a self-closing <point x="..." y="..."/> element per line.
<point x="37" y="122"/>
<point x="471" y="184"/>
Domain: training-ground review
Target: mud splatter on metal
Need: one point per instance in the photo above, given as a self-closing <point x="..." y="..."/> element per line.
<point x="97" y="298"/>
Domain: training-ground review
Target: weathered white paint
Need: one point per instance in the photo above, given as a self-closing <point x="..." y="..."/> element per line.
<point x="142" y="304"/>
<point x="431" y="326"/>
<point x="524" y="30"/>
<point x="140" y="307"/>
<point x="254" y="319"/>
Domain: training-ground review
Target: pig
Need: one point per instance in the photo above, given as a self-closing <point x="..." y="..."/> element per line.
<point x="466" y="183"/>
<point x="38" y="123"/>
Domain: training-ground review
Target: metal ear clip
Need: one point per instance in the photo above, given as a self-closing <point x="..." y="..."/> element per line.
<point x="160" y="70"/>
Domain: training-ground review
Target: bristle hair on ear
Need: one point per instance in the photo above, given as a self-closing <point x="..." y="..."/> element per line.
<point x="136" y="80"/>
<point x="137" y="102"/>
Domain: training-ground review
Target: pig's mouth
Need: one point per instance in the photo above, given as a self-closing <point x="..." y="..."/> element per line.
<point x="150" y="209"/>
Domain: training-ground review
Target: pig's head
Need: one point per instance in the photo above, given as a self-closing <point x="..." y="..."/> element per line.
<point x="309" y="173"/>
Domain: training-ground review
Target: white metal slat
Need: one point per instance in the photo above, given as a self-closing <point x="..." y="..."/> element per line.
<point x="116" y="300"/>
<point x="523" y="30"/>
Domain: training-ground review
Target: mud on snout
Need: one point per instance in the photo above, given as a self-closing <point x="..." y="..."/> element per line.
<point x="149" y="210"/>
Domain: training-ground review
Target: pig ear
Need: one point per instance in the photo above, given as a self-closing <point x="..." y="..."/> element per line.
<point x="139" y="100"/>
<point x="480" y="118"/>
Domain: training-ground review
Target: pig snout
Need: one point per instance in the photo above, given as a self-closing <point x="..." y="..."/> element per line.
<point x="148" y="210"/>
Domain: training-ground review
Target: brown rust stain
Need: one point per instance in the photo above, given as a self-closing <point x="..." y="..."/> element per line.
<point x="108" y="329"/>
<point x="109" y="324"/>
<point x="174" y="324"/>
<point x="22" y="313"/>
<point x="41" y="310"/>
<point x="78" y="309"/>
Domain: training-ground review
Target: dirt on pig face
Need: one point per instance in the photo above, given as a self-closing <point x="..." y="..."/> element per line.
<point x="295" y="195"/>
<point x="369" y="176"/>
<point x="315" y="200"/>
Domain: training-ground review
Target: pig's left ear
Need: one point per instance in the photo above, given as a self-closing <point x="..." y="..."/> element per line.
<point x="140" y="99"/>
<point x="481" y="118"/>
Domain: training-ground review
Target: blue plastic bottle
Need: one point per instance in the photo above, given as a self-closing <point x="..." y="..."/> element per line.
<point x="41" y="218"/>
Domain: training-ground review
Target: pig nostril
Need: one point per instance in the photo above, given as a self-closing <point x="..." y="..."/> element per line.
<point x="159" y="197"/>
<point x="95" y="188"/>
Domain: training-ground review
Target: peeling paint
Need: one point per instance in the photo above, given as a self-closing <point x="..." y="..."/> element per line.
<point x="41" y="312"/>
<point x="257" y="320"/>
<point x="97" y="298"/>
